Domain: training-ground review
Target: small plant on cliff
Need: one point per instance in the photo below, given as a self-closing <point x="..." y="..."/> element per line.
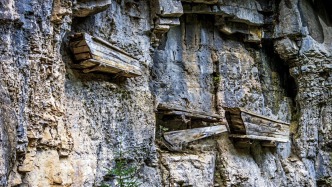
<point x="123" y="172"/>
<point x="216" y="79"/>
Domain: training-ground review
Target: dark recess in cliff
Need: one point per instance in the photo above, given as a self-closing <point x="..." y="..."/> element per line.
<point x="277" y="64"/>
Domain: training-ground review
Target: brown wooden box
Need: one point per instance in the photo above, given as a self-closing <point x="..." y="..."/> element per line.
<point x="95" y="54"/>
<point x="244" y="124"/>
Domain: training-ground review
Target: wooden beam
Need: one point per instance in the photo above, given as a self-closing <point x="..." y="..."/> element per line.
<point x="254" y="137"/>
<point x="169" y="109"/>
<point x="178" y="138"/>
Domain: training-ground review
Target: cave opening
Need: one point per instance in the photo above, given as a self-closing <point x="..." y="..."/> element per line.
<point x="287" y="82"/>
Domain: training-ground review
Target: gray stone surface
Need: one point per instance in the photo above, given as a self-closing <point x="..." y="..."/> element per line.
<point x="61" y="127"/>
<point x="8" y="123"/>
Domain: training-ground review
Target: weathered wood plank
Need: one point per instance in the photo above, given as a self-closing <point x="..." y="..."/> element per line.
<point x="236" y="121"/>
<point x="178" y="138"/>
<point x="82" y="56"/>
<point x="263" y="117"/>
<point x="79" y="43"/>
<point x="163" y="106"/>
<point x="250" y="125"/>
<point x="96" y="54"/>
<point x="81" y="49"/>
<point x="169" y="109"/>
<point x="254" y="137"/>
<point x="112" y="67"/>
<point x="191" y="115"/>
<point x="252" y="128"/>
<point x="93" y="39"/>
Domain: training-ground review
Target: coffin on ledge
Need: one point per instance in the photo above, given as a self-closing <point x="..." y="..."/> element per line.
<point x="95" y="54"/>
<point x="244" y="124"/>
<point x="174" y="140"/>
<point x="169" y="109"/>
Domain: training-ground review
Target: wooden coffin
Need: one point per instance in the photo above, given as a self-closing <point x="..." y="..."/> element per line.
<point x="168" y="109"/>
<point x="95" y="54"/>
<point x="175" y="140"/>
<point x="244" y="124"/>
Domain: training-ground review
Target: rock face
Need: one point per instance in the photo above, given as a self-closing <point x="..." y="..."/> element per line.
<point x="60" y="126"/>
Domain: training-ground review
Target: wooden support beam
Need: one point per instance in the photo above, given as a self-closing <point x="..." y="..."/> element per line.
<point x="176" y="139"/>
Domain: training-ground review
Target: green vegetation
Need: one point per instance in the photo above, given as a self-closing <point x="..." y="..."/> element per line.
<point x="123" y="172"/>
<point x="216" y="79"/>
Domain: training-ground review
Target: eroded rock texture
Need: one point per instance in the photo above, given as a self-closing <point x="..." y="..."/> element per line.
<point x="62" y="127"/>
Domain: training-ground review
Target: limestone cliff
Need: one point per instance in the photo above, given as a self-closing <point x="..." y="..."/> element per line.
<point x="63" y="126"/>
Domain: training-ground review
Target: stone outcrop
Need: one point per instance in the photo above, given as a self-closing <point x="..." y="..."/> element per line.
<point x="60" y="126"/>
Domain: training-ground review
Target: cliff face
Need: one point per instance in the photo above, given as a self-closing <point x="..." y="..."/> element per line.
<point x="62" y="127"/>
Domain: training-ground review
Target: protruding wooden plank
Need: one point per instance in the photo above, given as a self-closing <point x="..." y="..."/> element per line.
<point x="163" y="106"/>
<point x="193" y="115"/>
<point x="96" y="54"/>
<point x="254" y="137"/>
<point x="261" y="129"/>
<point x="111" y="67"/>
<point x="169" y="109"/>
<point x="263" y="117"/>
<point x="100" y="40"/>
<point x="245" y="123"/>
<point x="177" y="138"/>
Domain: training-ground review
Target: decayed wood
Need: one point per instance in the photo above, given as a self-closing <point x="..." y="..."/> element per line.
<point x="168" y="109"/>
<point x="176" y="139"/>
<point x="243" y="143"/>
<point x="242" y="110"/>
<point x="236" y="121"/>
<point x="254" y="137"/>
<point x="269" y="144"/>
<point x="96" y="54"/>
<point x="246" y="124"/>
